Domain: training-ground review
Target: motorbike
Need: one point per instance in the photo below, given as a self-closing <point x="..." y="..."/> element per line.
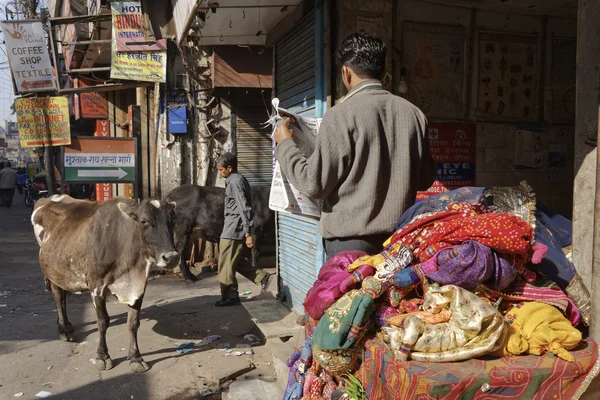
<point x="33" y="191"/>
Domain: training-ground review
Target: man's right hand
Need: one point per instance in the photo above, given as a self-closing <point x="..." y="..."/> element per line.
<point x="283" y="131"/>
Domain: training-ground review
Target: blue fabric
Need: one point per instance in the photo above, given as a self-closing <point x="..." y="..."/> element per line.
<point x="406" y="278"/>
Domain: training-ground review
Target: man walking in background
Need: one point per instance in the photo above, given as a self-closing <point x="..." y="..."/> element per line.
<point x="236" y="238"/>
<point x="8" y="183"/>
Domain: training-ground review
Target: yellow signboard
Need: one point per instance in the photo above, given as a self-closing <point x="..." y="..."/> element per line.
<point x="149" y="66"/>
<point x="43" y="121"/>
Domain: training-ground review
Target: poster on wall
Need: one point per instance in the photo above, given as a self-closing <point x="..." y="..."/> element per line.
<point x="557" y="162"/>
<point x="529" y="151"/>
<point x="507" y="77"/>
<point x="560" y="93"/>
<point x="454" y="150"/>
<point x="434" y="59"/>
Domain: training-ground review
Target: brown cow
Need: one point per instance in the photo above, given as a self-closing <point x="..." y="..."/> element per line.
<point x="104" y="248"/>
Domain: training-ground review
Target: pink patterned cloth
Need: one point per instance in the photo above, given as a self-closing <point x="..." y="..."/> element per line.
<point x="334" y="281"/>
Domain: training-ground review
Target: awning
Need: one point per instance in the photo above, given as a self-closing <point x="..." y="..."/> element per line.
<point x="233" y="22"/>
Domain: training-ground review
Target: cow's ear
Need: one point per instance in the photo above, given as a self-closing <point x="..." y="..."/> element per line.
<point x="129" y="210"/>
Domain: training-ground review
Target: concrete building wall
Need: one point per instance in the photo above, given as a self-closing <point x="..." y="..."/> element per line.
<point x="496" y="142"/>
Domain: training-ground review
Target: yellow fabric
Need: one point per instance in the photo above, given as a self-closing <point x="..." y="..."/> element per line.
<point x="373" y="261"/>
<point x="538" y="328"/>
<point x="376" y="260"/>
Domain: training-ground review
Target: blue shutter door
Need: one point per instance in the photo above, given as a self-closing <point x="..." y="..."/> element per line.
<point x="298" y="84"/>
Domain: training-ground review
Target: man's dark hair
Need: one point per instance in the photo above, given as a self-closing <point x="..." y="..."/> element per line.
<point x="228" y="160"/>
<point x="364" y="53"/>
<point x="7" y="165"/>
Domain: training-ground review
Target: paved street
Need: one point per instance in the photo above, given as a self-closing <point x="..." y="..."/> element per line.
<point x="32" y="359"/>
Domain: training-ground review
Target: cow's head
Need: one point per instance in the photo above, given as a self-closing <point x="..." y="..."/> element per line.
<point x="154" y="219"/>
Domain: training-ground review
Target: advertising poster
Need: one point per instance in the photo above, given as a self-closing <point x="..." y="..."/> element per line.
<point x="530" y="147"/>
<point x="42" y="121"/>
<point x="434" y="58"/>
<point x="454" y="150"/>
<point x="148" y="66"/>
<point x="28" y="56"/>
<point x="507" y="88"/>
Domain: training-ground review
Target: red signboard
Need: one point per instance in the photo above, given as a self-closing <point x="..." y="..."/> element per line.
<point x="454" y="150"/>
<point x="90" y="105"/>
<point x="103" y="190"/>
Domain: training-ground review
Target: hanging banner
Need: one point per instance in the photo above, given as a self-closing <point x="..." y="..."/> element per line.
<point x="42" y="121"/>
<point x="28" y="56"/>
<point x="148" y="66"/>
<point x="453" y="148"/>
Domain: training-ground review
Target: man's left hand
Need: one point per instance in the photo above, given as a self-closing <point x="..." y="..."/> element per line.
<point x="283" y="131"/>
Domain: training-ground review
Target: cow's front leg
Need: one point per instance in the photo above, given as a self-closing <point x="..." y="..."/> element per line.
<point x="180" y="246"/>
<point x="136" y="363"/>
<point x="103" y="360"/>
<point x="65" y="329"/>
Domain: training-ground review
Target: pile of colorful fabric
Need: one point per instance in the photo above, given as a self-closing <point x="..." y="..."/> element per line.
<point x="472" y="295"/>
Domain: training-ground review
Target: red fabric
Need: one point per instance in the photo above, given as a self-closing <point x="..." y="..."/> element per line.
<point x="519" y="377"/>
<point x="503" y="233"/>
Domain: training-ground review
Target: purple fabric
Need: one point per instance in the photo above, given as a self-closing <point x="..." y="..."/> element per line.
<point x="470" y="264"/>
<point x="333" y="278"/>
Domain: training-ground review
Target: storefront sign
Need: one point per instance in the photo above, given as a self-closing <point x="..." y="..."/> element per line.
<point x="100" y="160"/>
<point x="453" y="147"/>
<point x="28" y="56"/>
<point x="131" y="29"/>
<point x="149" y="66"/>
<point x="103" y="190"/>
<point x="102" y="128"/>
<point x="42" y="121"/>
<point x="91" y="104"/>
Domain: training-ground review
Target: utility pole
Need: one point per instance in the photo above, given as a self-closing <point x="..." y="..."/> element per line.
<point x="48" y="149"/>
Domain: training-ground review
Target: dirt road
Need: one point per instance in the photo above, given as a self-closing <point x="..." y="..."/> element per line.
<point x="32" y="359"/>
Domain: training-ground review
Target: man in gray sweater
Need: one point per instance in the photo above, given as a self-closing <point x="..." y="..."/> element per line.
<point x="371" y="156"/>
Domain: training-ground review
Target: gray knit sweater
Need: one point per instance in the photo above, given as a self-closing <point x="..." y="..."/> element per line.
<point x="371" y="157"/>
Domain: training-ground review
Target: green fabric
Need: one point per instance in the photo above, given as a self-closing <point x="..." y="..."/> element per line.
<point x="343" y="323"/>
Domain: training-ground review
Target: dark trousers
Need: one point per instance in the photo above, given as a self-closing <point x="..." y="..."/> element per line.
<point x="372" y="244"/>
<point x="6" y="196"/>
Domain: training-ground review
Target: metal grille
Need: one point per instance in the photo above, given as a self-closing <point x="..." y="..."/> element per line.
<point x="297" y="236"/>
<point x="254" y="148"/>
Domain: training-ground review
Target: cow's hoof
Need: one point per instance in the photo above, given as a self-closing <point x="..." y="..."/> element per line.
<point x="104" y="365"/>
<point x="191" y="279"/>
<point x="66" y="337"/>
<point x="138" y="366"/>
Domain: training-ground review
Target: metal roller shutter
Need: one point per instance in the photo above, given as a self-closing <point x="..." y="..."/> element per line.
<point x="254" y="146"/>
<point x="299" y="246"/>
